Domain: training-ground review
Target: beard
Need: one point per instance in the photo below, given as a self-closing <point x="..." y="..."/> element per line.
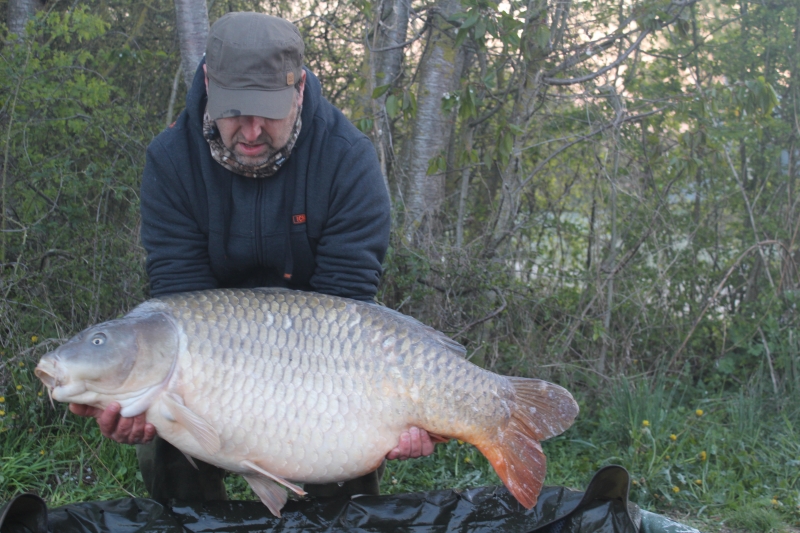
<point x="253" y="161"/>
<point x="258" y="163"/>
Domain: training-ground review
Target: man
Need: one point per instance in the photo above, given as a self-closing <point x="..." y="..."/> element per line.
<point x="260" y="182"/>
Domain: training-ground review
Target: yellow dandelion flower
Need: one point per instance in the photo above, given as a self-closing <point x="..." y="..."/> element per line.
<point x="30" y="430"/>
<point x="703" y="455"/>
<point x="2" y="399"/>
<point x="39" y="394"/>
<point x="676" y="490"/>
<point x="19" y="387"/>
<point x="634" y="482"/>
<point x="41" y="452"/>
<point x="460" y="442"/>
<point x="698" y="481"/>
<point x="2" y="413"/>
<point x="21" y="364"/>
<point x="774" y="501"/>
<point x="699" y="412"/>
<point x="667" y="457"/>
<point x="646" y="423"/>
<point x="34" y="338"/>
<point x="673" y="437"/>
<point x="467" y="460"/>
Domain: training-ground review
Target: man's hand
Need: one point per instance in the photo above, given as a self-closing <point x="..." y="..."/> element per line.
<point x="134" y="430"/>
<point x="413" y="443"/>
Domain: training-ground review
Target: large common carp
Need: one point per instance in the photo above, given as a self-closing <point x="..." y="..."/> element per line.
<point x="283" y="387"/>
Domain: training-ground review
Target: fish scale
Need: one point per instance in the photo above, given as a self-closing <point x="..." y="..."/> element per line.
<point x="284" y="386"/>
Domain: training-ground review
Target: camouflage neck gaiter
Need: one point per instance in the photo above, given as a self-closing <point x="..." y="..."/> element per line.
<point x="227" y="159"/>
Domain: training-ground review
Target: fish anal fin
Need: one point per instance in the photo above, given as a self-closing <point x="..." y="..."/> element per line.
<point x="270" y="493"/>
<point x="264" y="472"/>
<point x="519" y="461"/>
<point x="196" y="425"/>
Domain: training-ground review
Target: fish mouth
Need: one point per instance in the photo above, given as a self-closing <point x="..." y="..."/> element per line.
<point x="46" y="376"/>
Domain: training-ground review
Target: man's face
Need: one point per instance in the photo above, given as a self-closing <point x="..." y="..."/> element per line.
<point x="253" y="140"/>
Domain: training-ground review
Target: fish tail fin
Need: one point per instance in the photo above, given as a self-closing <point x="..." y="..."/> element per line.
<point x="541" y="410"/>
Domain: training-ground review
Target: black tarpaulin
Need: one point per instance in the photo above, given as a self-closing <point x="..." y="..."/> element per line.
<point x="602" y="508"/>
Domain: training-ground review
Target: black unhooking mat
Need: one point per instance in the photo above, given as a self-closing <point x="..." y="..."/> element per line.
<point x="603" y="508"/>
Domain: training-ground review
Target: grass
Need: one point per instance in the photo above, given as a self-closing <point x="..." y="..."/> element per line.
<point x="720" y="459"/>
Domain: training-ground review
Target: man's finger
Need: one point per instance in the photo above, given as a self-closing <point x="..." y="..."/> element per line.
<point x="84" y="410"/>
<point x="427" y="444"/>
<point x="149" y="433"/>
<point x="122" y="433"/>
<point x="109" y="419"/>
<point x="401" y="451"/>
<point x="416" y="444"/>
<point x="137" y="430"/>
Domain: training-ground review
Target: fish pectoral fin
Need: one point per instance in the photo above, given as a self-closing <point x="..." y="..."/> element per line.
<point x="270" y="493"/>
<point x="288" y="484"/>
<point x="197" y="426"/>
<point x="191" y="460"/>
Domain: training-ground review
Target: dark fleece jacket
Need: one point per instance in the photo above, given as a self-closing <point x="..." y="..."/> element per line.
<point x="205" y="227"/>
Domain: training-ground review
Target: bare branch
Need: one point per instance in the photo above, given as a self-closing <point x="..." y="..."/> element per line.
<point x="485" y="318"/>
<point x="713" y="297"/>
<point x="588" y="77"/>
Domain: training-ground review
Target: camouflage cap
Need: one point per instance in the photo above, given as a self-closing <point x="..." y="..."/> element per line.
<point x="253" y="61"/>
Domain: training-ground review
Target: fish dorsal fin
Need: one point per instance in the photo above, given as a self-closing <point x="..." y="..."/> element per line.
<point x="269" y="492"/>
<point x="197" y="426"/>
<point x="437" y="335"/>
<point x="288" y="484"/>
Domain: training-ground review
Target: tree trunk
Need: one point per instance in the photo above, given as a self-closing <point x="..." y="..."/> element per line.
<point x="191" y="18"/>
<point x="439" y="73"/>
<point x="527" y="96"/>
<point x="19" y="13"/>
<point x="384" y="58"/>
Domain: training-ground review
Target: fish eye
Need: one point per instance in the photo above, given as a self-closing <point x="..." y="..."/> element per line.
<point x="98" y="339"/>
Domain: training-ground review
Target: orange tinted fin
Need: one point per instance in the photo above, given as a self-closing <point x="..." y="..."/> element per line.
<point x="541" y="410"/>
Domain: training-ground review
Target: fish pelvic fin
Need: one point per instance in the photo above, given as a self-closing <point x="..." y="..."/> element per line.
<point x="288" y="484"/>
<point x="541" y="410"/>
<point x="191" y="460"/>
<point x="438" y="439"/>
<point x="270" y="493"/>
<point x="196" y="425"/>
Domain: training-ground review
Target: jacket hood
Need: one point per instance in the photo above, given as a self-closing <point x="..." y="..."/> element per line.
<point x="196" y="101"/>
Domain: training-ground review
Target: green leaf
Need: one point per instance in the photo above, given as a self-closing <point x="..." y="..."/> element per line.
<point x="435" y="165"/>
<point x="472" y="19"/>
<point x="480" y="29"/>
<point x="409" y="105"/>
<point x="365" y="124"/>
<point x="391" y="106"/>
<point x="542" y="36"/>
<point x="380" y="91"/>
<point x="461" y="35"/>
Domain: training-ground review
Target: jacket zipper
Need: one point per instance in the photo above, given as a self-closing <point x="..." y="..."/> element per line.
<point x="259" y="245"/>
